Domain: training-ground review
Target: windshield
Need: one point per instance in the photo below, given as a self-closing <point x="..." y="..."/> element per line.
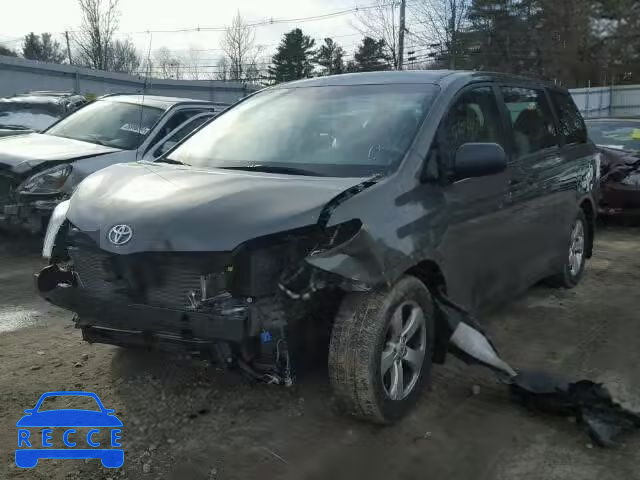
<point x="114" y="124"/>
<point x="22" y="115"/>
<point x="340" y="131"/>
<point x="618" y="134"/>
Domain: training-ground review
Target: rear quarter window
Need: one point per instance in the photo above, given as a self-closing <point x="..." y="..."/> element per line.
<point x="572" y="126"/>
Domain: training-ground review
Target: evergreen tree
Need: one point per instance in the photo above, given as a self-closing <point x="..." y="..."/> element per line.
<point x="330" y="57"/>
<point x="293" y="57"/>
<point x="371" y="56"/>
<point x="42" y="48"/>
<point x="7" y="52"/>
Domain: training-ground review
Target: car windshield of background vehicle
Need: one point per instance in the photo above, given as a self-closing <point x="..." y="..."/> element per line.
<point x="17" y="115"/>
<point x="339" y="131"/>
<point x="620" y="135"/>
<point x="109" y="123"/>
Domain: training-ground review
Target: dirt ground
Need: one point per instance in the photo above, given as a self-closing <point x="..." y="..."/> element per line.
<point x="184" y="419"/>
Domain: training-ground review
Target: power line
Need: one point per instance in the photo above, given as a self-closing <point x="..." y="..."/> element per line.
<point x="270" y="21"/>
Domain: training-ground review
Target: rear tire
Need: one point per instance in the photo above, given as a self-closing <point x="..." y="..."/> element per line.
<point x="576" y="258"/>
<point x="380" y="350"/>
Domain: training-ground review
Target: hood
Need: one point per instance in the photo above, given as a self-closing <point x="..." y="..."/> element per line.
<point x="23" y="152"/>
<point x="9" y="132"/>
<point x="174" y="208"/>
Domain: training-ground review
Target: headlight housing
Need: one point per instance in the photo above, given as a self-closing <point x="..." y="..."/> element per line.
<point x="55" y="222"/>
<point x="48" y="181"/>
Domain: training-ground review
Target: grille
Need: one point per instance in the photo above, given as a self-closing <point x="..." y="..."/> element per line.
<point x="165" y="283"/>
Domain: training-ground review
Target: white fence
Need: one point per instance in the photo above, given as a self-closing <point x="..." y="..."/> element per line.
<point x="614" y="101"/>
<point x="18" y="75"/>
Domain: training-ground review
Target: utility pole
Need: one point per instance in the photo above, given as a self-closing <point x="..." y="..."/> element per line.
<point x="66" y="34"/>
<point x="453" y="37"/>
<point x="403" y="6"/>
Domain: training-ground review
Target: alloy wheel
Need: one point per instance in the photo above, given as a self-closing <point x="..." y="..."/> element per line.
<point x="404" y="350"/>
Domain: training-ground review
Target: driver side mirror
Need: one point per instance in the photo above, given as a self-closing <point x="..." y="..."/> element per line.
<point x="479" y="160"/>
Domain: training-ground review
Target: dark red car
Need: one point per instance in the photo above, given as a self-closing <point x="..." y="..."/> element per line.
<point x="618" y="140"/>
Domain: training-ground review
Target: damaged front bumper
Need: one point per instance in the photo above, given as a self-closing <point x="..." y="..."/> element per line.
<point x="241" y="331"/>
<point x="31" y="216"/>
<point x="145" y="324"/>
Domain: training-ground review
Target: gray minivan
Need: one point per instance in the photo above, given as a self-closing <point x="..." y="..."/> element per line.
<point x="341" y="205"/>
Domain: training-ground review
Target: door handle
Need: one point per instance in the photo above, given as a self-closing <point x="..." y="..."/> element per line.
<point x="514" y="181"/>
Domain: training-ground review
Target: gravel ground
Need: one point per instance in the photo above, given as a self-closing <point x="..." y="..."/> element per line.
<point x="184" y="418"/>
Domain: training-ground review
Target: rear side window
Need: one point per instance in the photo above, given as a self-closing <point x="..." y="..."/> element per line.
<point x="572" y="125"/>
<point x="531" y="120"/>
<point x="473" y="118"/>
<point x="180" y="133"/>
<point x="176" y="119"/>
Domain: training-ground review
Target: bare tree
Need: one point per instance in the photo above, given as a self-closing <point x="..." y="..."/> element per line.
<point x="381" y="22"/>
<point x="222" y="70"/>
<point x="239" y="46"/>
<point x="192" y="62"/>
<point x="441" y="22"/>
<point x="167" y="64"/>
<point x="95" y="37"/>
<point x="124" y="57"/>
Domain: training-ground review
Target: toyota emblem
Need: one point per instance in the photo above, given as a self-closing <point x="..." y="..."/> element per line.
<point x="120" y="234"/>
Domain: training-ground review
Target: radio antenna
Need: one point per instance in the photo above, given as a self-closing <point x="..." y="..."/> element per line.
<point x="144" y="89"/>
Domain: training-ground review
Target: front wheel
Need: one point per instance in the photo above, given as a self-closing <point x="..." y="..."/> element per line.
<point x="380" y="350"/>
<point x="576" y="255"/>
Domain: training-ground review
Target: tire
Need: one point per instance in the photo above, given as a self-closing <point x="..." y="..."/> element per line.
<point x="363" y="332"/>
<point x="574" y="263"/>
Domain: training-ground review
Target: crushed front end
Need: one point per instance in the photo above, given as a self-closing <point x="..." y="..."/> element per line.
<point x="620" y="182"/>
<point x="250" y="307"/>
<point x="26" y="204"/>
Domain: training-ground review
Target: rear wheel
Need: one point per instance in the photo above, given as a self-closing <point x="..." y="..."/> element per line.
<point x="576" y="255"/>
<point x="380" y="350"/>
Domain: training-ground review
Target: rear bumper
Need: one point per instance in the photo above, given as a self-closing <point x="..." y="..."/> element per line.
<point x="122" y="323"/>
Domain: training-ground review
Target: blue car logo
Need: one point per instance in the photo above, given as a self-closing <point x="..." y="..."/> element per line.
<point x="31" y="448"/>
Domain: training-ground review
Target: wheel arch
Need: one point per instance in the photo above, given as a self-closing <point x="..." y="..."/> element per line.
<point x="589" y="210"/>
<point x="429" y="273"/>
<point x="432" y="276"/>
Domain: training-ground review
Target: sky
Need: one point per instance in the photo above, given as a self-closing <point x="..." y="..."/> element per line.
<point x="138" y="16"/>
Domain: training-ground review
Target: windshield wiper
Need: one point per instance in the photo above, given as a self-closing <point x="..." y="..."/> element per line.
<point x="13" y="127"/>
<point x="171" y="161"/>
<point x="275" y="169"/>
